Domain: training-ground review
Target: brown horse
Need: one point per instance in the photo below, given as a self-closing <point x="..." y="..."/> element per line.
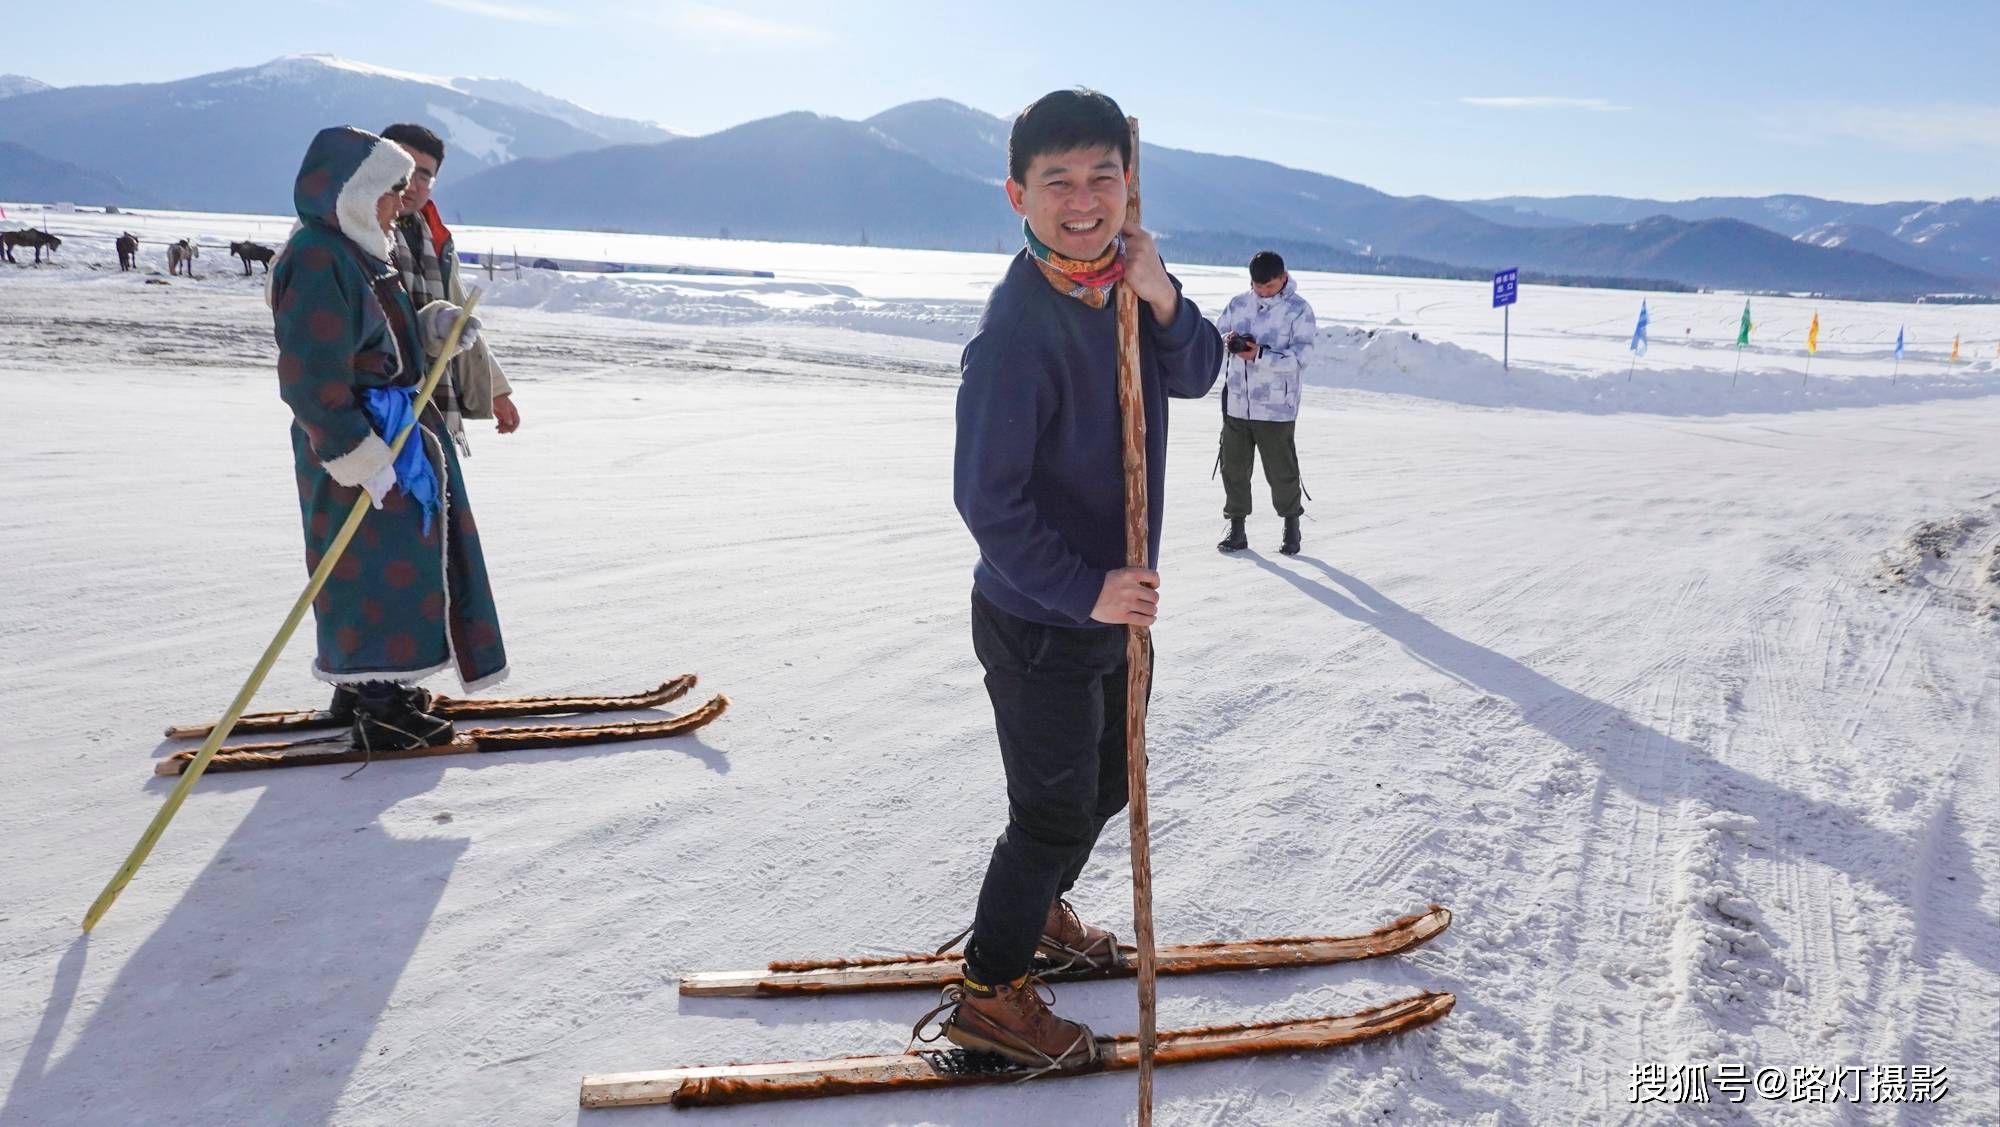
<point x="253" y="252"/>
<point x="128" y="250"/>
<point x="28" y="238"/>
<point x="181" y="256"/>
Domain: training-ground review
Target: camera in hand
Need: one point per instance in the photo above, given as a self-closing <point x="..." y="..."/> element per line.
<point x="1242" y="344"/>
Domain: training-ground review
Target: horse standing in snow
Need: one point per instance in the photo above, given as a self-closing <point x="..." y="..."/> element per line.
<point x="128" y="251"/>
<point x="181" y="256"/>
<point x="253" y="252"/>
<point x="28" y="238"/>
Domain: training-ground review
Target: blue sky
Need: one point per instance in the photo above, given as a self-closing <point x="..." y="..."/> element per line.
<point x="1866" y="102"/>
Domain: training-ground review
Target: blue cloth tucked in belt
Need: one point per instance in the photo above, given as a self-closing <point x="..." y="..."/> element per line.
<point x="391" y="409"/>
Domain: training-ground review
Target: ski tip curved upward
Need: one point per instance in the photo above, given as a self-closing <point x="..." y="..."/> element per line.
<point x="1418" y="928"/>
<point x="1442" y="916"/>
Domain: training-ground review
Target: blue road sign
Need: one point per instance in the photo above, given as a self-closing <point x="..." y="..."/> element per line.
<point x="1503" y="286"/>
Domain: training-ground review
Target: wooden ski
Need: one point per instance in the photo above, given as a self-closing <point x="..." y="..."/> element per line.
<point x="908" y="972"/>
<point x="459" y="708"/>
<point x="943" y="1068"/>
<point x="257" y="757"/>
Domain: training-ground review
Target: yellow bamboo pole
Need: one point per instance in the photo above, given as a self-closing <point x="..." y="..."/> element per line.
<point x="234" y="712"/>
<point x="1138" y="657"/>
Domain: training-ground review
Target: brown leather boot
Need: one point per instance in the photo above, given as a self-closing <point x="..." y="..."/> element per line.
<point x="1069" y="943"/>
<point x="1012" y="1020"/>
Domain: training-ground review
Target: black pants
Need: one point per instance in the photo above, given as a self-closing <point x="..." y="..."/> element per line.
<point x="1059" y="709"/>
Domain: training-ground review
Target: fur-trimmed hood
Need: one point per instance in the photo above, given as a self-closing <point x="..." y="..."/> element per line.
<point x="345" y="171"/>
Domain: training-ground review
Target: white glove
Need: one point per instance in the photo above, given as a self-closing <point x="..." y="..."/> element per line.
<point x="378" y="487"/>
<point x="439" y="316"/>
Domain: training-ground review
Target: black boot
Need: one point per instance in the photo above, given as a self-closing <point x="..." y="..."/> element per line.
<point x="389" y="717"/>
<point x="1291" y="544"/>
<point x="1236" y="540"/>
<point x="419" y="699"/>
<point x="340" y="710"/>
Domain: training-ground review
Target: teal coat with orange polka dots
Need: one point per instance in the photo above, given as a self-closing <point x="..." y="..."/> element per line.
<point x="402" y="603"/>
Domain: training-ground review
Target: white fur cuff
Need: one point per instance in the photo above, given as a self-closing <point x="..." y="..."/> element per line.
<point x="361" y="463"/>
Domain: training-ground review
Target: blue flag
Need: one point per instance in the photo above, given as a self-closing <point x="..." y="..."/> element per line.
<point x="1639" y="334"/>
<point x="1899" y="342"/>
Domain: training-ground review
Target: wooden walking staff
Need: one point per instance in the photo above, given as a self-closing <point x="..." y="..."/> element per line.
<point x="220" y="732"/>
<point x="1138" y="653"/>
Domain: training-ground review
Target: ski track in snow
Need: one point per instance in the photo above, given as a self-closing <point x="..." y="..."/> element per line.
<point x="1686" y="719"/>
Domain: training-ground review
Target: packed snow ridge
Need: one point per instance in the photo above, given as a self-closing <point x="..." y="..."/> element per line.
<point x="1955" y="558"/>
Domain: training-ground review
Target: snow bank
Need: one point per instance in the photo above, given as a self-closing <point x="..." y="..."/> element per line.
<point x="1393" y="361"/>
<point x="1402" y="363"/>
<point x="689" y="300"/>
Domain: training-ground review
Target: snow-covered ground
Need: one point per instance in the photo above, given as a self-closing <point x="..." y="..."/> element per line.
<point x="1685" y="699"/>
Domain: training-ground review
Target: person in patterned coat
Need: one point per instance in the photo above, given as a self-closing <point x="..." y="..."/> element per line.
<point x="409" y="597"/>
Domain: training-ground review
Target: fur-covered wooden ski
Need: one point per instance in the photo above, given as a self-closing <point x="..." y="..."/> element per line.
<point x="906" y="972"/>
<point x="943" y="1068"/>
<point x="257" y="757"/>
<point x="458" y="708"/>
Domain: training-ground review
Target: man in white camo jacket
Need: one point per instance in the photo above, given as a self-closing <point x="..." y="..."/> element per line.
<point x="1268" y="334"/>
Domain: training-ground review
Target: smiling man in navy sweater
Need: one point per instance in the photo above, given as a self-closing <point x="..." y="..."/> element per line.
<point x="1039" y="479"/>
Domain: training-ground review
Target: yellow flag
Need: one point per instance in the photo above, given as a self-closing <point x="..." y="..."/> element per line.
<point x="1812" y="336"/>
<point x="1954" y="350"/>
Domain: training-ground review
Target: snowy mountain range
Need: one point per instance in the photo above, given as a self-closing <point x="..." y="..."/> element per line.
<point x="925" y="174"/>
<point x="12" y="84"/>
<point x="231" y="140"/>
<point x="797" y="177"/>
<point x="28" y="175"/>
<point x="1956" y="237"/>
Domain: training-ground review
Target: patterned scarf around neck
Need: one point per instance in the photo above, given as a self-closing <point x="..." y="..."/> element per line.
<point x="423" y="276"/>
<point x="1090" y="282"/>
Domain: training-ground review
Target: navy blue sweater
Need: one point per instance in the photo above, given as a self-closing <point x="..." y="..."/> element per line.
<point x="1039" y="474"/>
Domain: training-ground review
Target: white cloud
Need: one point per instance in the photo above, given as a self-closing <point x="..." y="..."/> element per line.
<point x="1531" y="102"/>
<point x="513" y="13"/>
<point x="1944" y="127"/>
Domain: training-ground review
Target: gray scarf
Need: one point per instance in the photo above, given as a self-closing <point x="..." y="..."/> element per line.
<point x="423" y="276"/>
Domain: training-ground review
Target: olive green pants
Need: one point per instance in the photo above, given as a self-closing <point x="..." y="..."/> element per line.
<point x="1244" y="440"/>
